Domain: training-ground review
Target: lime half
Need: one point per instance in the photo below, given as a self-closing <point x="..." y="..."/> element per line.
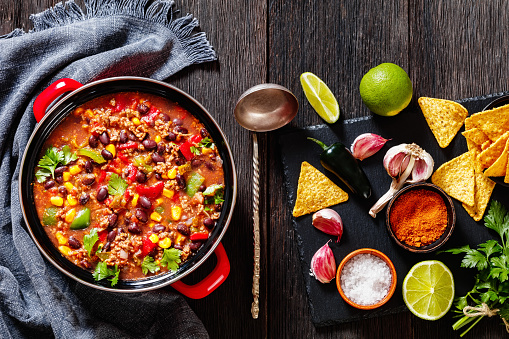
<point x="320" y="97"/>
<point x="428" y="289"/>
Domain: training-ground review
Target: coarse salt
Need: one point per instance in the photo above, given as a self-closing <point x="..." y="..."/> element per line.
<point x="365" y="279"/>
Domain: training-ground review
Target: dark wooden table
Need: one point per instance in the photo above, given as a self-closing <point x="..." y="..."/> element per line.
<point x="450" y="49"/>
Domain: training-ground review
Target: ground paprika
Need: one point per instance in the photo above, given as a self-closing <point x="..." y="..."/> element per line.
<point x="418" y="217"/>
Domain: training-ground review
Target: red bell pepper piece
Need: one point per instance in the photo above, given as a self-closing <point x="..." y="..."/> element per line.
<point x="195" y="139"/>
<point x="127" y="195"/>
<point x="102" y="176"/>
<point x="132" y="171"/>
<point x="121" y="103"/>
<point x="185" y="148"/>
<point x="127" y="145"/>
<point x="147" y="246"/>
<point x="102" y="235"/>
<point x="122" y="157"/>
<point x="150" y="192"/>
<point x="199" y="236"/>
<point x="151" y="116"/>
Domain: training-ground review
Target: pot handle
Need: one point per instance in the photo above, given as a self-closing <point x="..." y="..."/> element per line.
<point x="51" y="93"/>
<point x="211" y="282"/>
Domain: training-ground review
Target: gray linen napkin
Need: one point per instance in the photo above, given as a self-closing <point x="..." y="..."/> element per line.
<point x="111" y="38"/>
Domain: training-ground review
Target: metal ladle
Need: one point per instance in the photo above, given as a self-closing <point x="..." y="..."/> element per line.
<point x="262" y="108"/>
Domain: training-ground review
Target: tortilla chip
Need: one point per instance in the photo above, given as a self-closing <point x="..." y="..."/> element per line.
<point x="456" y="178"/>
<point x="483" y="188"/>
<point x="487" y="144"/>
<point x="492" y="153"/>
<point x="506" y="179"/>
<point x="444" y="117"/>
<point x="499" y="167"/>
<point x="315" y="191"/>
<point x="476" y="135"/>
<point x="494" y="123"/>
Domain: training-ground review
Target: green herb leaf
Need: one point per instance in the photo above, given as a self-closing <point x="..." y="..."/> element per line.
<point x="195" y="150"/>
<point x="205" y="142"/>
<point x="149" y="264"/>
<point x="171" y="258"/>
<point x="500" y="269"/>
<point x="68" y="155"/>
<point x="475" y="259"/>
<point x="50" y="160"/>
<point x="102" y="272"/>
<point x="498" y="220"/>
<point x="212" y="189"/>
<point x="42" y="174"/>
<point x="490" y="247"/>
<point x="116" y="185"/>
<point x="90" y="239"/>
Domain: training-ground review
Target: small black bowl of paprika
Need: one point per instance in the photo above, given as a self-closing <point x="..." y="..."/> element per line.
<point x="420" y="217"/>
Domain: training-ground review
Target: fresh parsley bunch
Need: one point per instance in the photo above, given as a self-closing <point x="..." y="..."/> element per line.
<point x="490" y="293"/>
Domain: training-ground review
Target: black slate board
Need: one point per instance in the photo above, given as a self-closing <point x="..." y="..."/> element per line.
<point x="360" y="230"/>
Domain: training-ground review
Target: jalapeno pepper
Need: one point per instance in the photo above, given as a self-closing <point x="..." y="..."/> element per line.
<point x="81" y="220"/>
<point x="92" y="155"/>
<point x="337" y="159"/>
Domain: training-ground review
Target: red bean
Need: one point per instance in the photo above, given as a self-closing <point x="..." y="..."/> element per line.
<point x="143" y="109"/>
<point x="171" y="136"/>
<point x="141" y="177"/>
<point x="145" y="202"/>
<point x="107" y="154"/>
<point x="60" y="170"/>
<point x="196" y="162"/>
<point x="112" y="220"/>
<point x="141" y="215"/>
<point x="93" y="141"/>
<point x="177" y="122"/>
<point x="131" y="136"/>
<point x="204" y="133"/>
<point x="165" y="117"/>
<point x="122" y="137"/>
<point x="183" y="229"/>
<point x="106" y="247"/>
<point x="88" y="179"/>
<point x="208" y="222"/>
<point x="134" y="228"/>
<point x="48" y="184"/>
<point x="202" y="188"/>
<point x="158" y="228"/>
<point x="112" y="235"/>
<point x="161" y="148"/>
<point x="84" y="197"/>
<point x="102" y="194"/>
<point x="195" y="245"/>
<point x="59" y="179"/>
<point x="104" y="138"/>
<point x="149" y="144"/>
<point x="73" y="243"/>
<point x="85" y="264"/>
<point x="181" y="130"/>
<point x="181" y="182"/>
<point x="89" y="168"/>
<point x="157" y="158"/>
<point x="62" y="190"/>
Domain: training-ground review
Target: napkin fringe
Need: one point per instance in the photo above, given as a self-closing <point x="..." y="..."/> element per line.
<point x="196" y="46"/>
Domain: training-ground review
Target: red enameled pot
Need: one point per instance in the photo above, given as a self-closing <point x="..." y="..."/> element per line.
<point x="48" y="119"/>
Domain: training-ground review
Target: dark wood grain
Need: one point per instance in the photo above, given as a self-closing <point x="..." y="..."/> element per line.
<point x="450" y="49"/>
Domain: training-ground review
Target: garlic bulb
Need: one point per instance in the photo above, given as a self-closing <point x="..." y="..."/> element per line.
<point x="405" y="163"/>
<point x="328" y="221"/>
<point x="323" y="265"/>
<point x="367" y="144"/>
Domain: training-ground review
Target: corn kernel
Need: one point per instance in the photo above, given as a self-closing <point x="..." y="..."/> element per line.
<point x="71" y="200"/>
<point x="74" y="169"/>
<point x="154" y="238"/>
<point x="111" y="148"/>
<point x="164" y="176"/>
<point x="172" y="173"/>
<point x="165" y="243"/>
<point x="157" y="139"/>
<point x="157" y="262"/>
<point x="159" y="201"/>
<point x="156" y="216"/>
<point x="168" y="193"/>
<point x="136" y="121"/>
<point x="134" y="202"/>
<point x="152" y="224"/>
<point x="62" y="240"/>
<point x="89" y="113"/>
<point x="69" y="186"/>
<point x="57" y="201"/>
<point x="178" y="240"/>
<point x="176" y="212"/>
<point x="66" y="176"/>
<point x="69" y="216"/>
<point x="64" y="250"/>
<point x="184" y="168"/>
<point x="79" y="110"/>
<point x="206" y="150"/>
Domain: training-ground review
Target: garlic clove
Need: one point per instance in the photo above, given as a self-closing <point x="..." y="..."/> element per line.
<point x="328" y="221"/>
<point x="323" y="264"/>
<point x="423" y="168"/>
<point x="367" y="144"/>
<point x="395" y="159"/>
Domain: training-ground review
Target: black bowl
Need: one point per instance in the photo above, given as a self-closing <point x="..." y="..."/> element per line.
<point x="53" y="118"/>
<point x="451" y="218"/>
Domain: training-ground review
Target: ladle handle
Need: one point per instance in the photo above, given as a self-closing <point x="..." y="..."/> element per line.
<point x="256" y="229"/>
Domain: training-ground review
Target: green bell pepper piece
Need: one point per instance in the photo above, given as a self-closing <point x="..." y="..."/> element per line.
<point x="92" y="155"/>
<point x="49" y="217"/>
<point x="81" y="220"/>
<point x="193" y="183"/>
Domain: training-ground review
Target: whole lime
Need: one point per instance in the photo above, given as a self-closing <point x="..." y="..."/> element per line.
<point x="386" y="89"/>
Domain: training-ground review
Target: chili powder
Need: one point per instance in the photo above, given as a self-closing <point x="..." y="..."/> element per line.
<point x="418" y="217"/>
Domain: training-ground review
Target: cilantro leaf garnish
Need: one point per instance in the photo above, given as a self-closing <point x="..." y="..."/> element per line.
<point x="195" y="150"/>
<point x="205" y="142"/>
<point x="90" y="239"/>
<point x="102" y="272"/>
<point x="116" y="185"/>
<point x="149" y="264"/>
<point x="171" y="258"/>
<point x="491" y="259"/>
<point x="50" y="160"/>
<point x="212" y="189"/>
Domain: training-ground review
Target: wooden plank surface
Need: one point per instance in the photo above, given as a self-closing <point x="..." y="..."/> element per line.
<point x="450" y="49"/>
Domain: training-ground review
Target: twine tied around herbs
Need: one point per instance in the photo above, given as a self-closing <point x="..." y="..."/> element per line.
<point x="484" y="310"/>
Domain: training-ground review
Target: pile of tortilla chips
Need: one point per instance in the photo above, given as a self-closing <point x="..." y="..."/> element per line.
<point x="315" y="191"/>
<point x="487" y="136"/>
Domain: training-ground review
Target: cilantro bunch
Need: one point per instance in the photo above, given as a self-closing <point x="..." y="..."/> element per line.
<point x="50" y="161"/>
<point x="491" y="259"/>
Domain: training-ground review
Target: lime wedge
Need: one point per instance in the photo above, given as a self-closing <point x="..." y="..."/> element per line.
<point x="428" y="289"/>
<point x="320" y="97"/>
